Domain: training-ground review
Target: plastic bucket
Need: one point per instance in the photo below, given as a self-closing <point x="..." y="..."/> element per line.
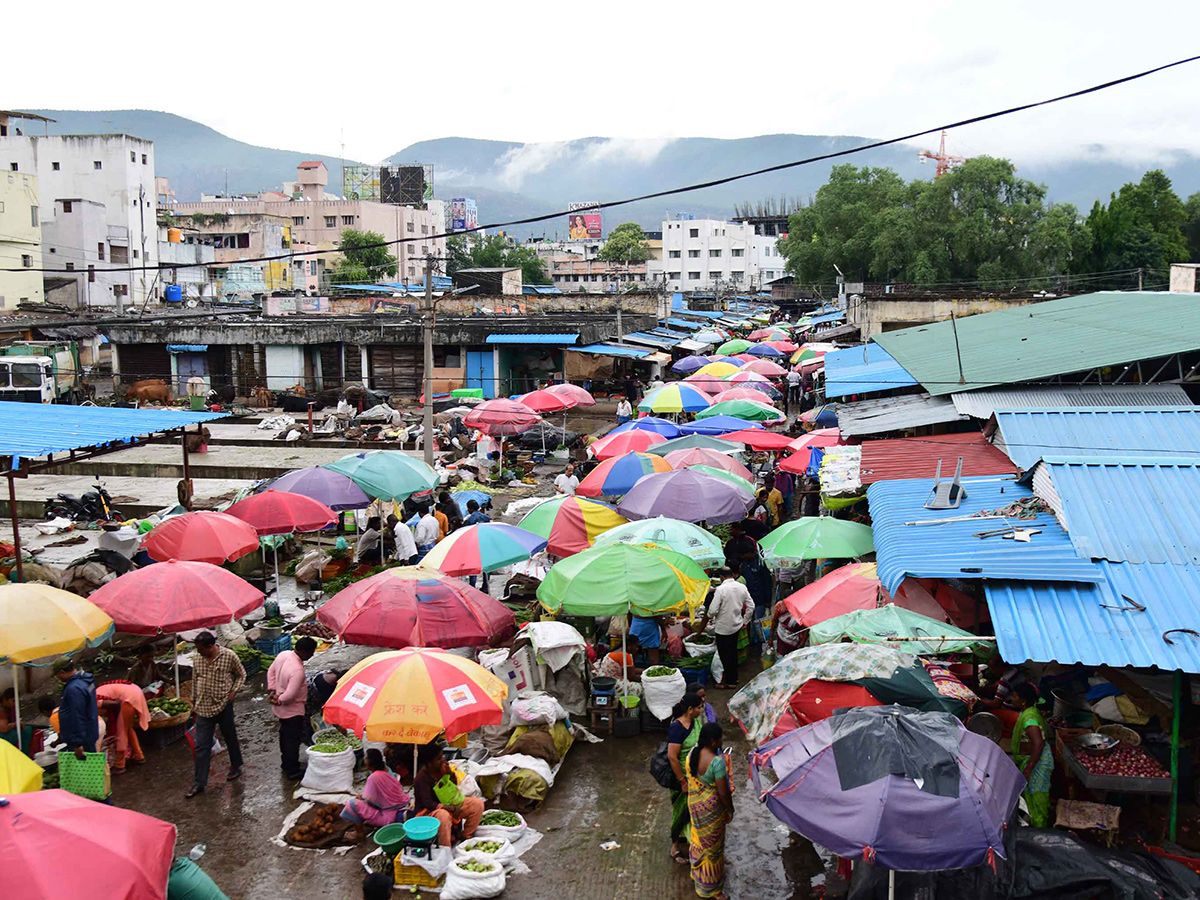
<point x="391" y="837"/>
<point x="419" y="828"/>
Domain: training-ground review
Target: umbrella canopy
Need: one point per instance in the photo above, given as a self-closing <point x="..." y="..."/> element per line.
<point x="674" y="398"/>
<point x="693" y="441"/>
<point x="570" y="524"/>
<point x="690" y="363"/>
<point x="692" y="541"/>
<point x="278" y="512"/>
<point x="877" y="626"/>
<point x="735" y="346"/>
<point x="56" y="845"/>
<point x="768" y="390"/>
<point x="665" y="427"/>
<point x="18" y="773"/>
<point x="335" y="490"/>
<point x="825" y="415"/>
<point x="719" y="369"/>
<point x="783" y="346"/>
<point x="573" y="394"/>
<point x="410" y="606"/>
<point x="732" y="360"/>
<point x="685" y="459"/>
<point x="765" y="368"/>
<point x="820" y="437"/>
<point x="482" y="548"/>
<point x="750" y="410"/>
<point x="37" y="620"/>
<point x="725" y="475"/>
<point x="387" y="474"/>
<point x="715" y="425"/>
<point x="619" y="578"/>
<point x="544" y="401"/>
<point x="174" y="596"/>
<point x="617" y="475"/>
<point x="758" y="439"/>
<point x="853" y="587"/>
<point x="764" y="334"/>
<point x="210" y="537"/>
<point x="746" y="376"/>
<point x="411" y="696"/>
<point x="501" y="417"/>
<point x="764" y="350"/>
<point x="710" y="335"/>
<point x="707" y="383"/>
<point x="688" y="495"/>
<point x="622" y="442"/>
<point x="804" y="354"/>
<point x="816" y="537"/>
<point x="743" y="393"/>
<point x="910" y="790"/>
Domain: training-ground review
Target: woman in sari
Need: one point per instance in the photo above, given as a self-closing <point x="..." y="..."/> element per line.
<point x="710" y="804"/>
<point x="682" y="735"/>
<point x="123" y="704"/>
<point x="382" y="799"/>
<point x="1031" y="752"/>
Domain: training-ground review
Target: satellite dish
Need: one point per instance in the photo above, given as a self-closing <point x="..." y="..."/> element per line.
<point x="192" y="304"/>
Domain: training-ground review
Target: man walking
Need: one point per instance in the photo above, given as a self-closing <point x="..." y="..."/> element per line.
<point x="217" y="676"/>
<point x="78" y="720"/>
<point x="426" y="533"/>
<point x="566" y="483"/>
<point x="287" y="691"/>
<point x="730" y="611"/>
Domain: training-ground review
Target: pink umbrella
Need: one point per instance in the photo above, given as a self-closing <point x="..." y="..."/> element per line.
<point x="783" y="346"/>
<point x="544" y="401"/>
<point x="745" y="375"/>
<point x="760" y="440"/>
<point x="821" y="437"/>
<point x="765" y="367"/>
<point x="746" y="357"/>
<point x="743" y="393"/>
<point x="278" y="512"/>
<point x="210" y="537"/>
<point x="625" y="442"/>
<point x="710" y="384"/>
<point x="574" y="393"/>
<point x="699" y="456"/>
<point x="501" y="417"/>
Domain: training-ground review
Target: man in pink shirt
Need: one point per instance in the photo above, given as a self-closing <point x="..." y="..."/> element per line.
<point x="287" y="689"/>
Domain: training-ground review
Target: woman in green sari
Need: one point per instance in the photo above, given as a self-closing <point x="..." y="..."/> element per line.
<point x="1031" y="752"/>
<point x="682" y="735"/>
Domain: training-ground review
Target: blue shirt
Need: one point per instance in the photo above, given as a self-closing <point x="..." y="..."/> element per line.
<point x="78" y="723"/>
<point x="476" y="518"/>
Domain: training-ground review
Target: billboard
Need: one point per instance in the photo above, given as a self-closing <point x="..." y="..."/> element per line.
<point x="406" y="185"/>
<point x="463" y="214"/>
<point x="583" y="222"/>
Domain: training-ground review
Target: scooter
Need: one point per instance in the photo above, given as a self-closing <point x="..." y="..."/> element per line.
<point x="95" y="505"/>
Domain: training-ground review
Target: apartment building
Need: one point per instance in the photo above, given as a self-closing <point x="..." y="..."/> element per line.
<point x="705" y="254"/>
<point x="20" y="240"/>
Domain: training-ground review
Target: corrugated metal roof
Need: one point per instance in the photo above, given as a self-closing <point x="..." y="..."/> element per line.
<point x="1137" y="510"/>
<point x="827" y="317"/>
<point x="651" y="340"/>
<point x="1069" y="623"/>
<point x="1027" y="435"/>
<point x="951" y="550"/>
<point x="1043" y="340"/>
<point x="981" y="404"/>
<point x="837" y="332"/>
<point x="685" y="323"/>
<point x="692" y="346"/>
<point x="539" y="289"/>
<point x="30" y="430"/>
<point x="898" y="458"/>
<point x="861" y="370"/>
<point x="562" y="338"/>
<point x="612" y="350"/>
<point x="883" y="414"/>
<point x="667" y="332"/>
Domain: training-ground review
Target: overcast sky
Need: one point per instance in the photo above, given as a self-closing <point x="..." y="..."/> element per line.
<point x="308" y="77"/>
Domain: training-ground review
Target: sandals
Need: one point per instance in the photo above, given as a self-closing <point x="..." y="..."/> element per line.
<point x="678" y="857"/>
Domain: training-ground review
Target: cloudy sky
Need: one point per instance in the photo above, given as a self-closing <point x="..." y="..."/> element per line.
<point x="310" y="77"/>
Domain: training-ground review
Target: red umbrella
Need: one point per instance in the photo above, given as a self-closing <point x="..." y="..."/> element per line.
<point x="210" y="537"/>
<point x="574" y="393"/>
<point x="544" y="401"/>
<point x="414" y="607"/>
<point x="759" y="440"/>
<point x="501" y="417"/>
<point x="820" y="437"/>
<point x="625" y="442"/>
<point x="852" y="587"/>
<point x="280" y="512"/>
<point x="710" y="384"/>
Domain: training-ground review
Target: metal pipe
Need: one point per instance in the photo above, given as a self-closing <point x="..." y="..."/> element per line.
<point x="12" y="512"/>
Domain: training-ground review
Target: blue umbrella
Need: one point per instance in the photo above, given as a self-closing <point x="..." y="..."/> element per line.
<point x="732" y="360"/>
<point x="665" y="427"/>
<point x="764" y="350"/>
<point x="717" y="425"/>
<point x="690" y="363"/>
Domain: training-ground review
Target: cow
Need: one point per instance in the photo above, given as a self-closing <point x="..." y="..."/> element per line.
<point x="149" y="390"/>
<point x="221" y="394"/>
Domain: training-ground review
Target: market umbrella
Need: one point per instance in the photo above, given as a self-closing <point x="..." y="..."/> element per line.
<point x="711" y="335"/>
<point x="819" y="437"/>
<point x="745" y="484"/>
<point x="412" y="606"/>
<point x="768" y="390"/>
<point x="617" y="475"/>
<point x="746" y="376"/>
<point x="766" y="368"/>
<point x="18" y="773"/>
<point x="544" y="401"/>
<point x="743" y="393"/>
<point x="210" y="537"/>
<point x="501" y="417"/>
<point x="335" y="490"/>
<point x="851" y="587"/>
<point x="719" y="369"/>
<point x="481" y="548"/>
<point x="732" y="360"/>
<point x="804" y="354"/>
<point x="57" y="846"/>
<point x="688" y="495"/>
<point x="692" y="541"/>
<point x="278" y="512"/>
<point x="570" y="524"/>
<point x="707" y="383"/>
<point x="896" y="626"/>
<point x="783" y="346"/>
<point x="665" y="427"/>
<point x="699" y="456"/>
<point x="413" y="695"/>
<point x="758" y="439"/>
<point x="622" y="442"/>
<point x="735" y="346"/>
<point x="573" y="393"/>
<point x="690" y="363"/>
<point x="386" y="474"/>
<point x="692" y="441"/>
<point x="717" y="425"/>
<point x="750" y="410"/>
<point x="767" y="334"/>
<point x="764" y="350"/>
<point x="816" y="537"/>
<point x="907" y="790"/>
<point x="674" y="398"/>
<point x="825" y="415"/>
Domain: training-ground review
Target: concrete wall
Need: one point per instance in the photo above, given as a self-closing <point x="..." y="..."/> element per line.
<point x="1183" y="277"/>
<point x="20" y="240"/>
<point x="194" y="281"/>
<point x="874" y="315"/>
<point x="73" y="240"/>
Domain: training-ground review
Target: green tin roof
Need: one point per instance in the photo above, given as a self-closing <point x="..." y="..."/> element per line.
<point x="1047" y="339"/>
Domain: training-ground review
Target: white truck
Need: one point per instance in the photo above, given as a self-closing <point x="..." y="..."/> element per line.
<point x="41" y="372"/>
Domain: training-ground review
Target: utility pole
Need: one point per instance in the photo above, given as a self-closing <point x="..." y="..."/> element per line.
<point x="1139" y="278"/>
<point x="428" y="327"/>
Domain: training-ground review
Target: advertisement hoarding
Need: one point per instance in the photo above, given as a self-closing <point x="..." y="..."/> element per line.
<point x="464" y="214"/>
<point x="583" y="222"/>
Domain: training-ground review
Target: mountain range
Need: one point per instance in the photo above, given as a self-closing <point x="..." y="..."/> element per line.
<point x="514" y="180"/>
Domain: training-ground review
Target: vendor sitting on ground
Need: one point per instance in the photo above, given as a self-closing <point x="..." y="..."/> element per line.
<point x="431" y="768"/>
<point x="616" y="663"/>
<point x="145" y="671"/>
<point x="382" y="799"/>
<point x="369" y="549"/>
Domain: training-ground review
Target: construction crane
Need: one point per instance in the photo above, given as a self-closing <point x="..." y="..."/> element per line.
<point x="944" y="162"/>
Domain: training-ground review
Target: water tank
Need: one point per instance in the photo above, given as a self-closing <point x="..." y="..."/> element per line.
<point x="174" y="294"/>
<point x="174" y="236"/>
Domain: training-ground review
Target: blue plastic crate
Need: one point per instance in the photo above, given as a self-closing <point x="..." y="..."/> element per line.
<point x="272" y="648"/>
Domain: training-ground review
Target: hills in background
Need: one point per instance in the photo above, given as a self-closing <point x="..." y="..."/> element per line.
<point x="513" y="180"/>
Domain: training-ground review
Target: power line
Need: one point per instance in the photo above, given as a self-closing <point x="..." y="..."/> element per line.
<point x="716" y="182"/>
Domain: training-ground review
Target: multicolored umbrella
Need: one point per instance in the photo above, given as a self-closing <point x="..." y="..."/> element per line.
<point x="767" y="334"/>
<point x="624" y="578"/>
<point x="692" y="541"/>
<point x="764" y="350"/>
<point x="618" y="443"/>
<point x="749" y="410"/>
<point x="570" y="524"/>
<point x="690" y="363"/>
<point x="411" y="696"/>
<point x="674" y="398"/>
<point x="688" y="495"/>
<point x="825" y="415"/>
<point x="545" y="401"/>
<point x="278" y="512"/>
<point x="482" y="548"/>
<point x="725" y="475"/>
<point x="884" y="624"/>
<point x="743" y="393"/>
<point x="387" y="474"/>
<point x="758" y="439"/>
<point x="853" y="587"/>
<point x="735" y="346"/>
<point x="804" y="354"/>
<point x="816" y="537"/>
<point x="573" y="394"/>
<point x="665" y="427"/>
<point x="717" y="425"/>
<point x="719" y="369"/>
<point x="693" y="441"/>
<point x="617" y="475"/>
<point x="335" y="490"/>
<point x="501" y="417"/>
<point x="768" y="390"/>
<point x="210" y="537"/>
<point x="699" y="456"/>
<point x="765" y="368"/>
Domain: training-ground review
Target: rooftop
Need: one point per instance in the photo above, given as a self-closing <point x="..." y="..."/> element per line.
<point x="863" y="370"/>
<point x="917" y="457"/>
<point x="981" y="404"/>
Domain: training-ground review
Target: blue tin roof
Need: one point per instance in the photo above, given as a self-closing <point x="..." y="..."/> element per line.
<point x="704" y="313"/>
<point x="562" y="338"/>
<point x="613" y="350"/>
<point x="685" y="323"/>
<point x="1027" y="435"/>
<point x="654" y="340"/>
<point x="539" y="289"/>
<point x="951" y="550"/>
<point x="827" y="317"/>
<point x="187" y="348"/>
<point x="861" y="370"/>
<point x="29" y="430"/>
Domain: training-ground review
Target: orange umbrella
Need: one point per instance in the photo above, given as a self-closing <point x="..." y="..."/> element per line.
<point x="853" y="587"/>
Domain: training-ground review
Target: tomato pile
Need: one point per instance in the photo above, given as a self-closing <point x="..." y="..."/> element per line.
<point x="1124" y="759"/>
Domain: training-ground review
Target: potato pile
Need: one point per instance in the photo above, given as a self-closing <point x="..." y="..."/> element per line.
<point x="324" y="824"/>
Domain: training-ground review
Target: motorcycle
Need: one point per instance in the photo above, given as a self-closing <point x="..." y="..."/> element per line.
<point x="93" y="506"/>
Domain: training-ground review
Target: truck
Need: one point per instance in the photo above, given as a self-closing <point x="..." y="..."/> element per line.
<point x="41" y="372"/>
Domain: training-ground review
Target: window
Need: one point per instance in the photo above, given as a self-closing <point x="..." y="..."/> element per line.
<point x="135" y="253"/>
<point x="13" y="166"/>
<point x="347" y="220"/>
<point x="243" y="241"/>
<point x="693" y="254"/>
<point x="714" y="254"/>
<point x="132" y="156"/>
<point x="26" y="375"/>
<point x="693" y="232"/>
<point x="297" y="220"/>
<point x="693" y="276"/>
<point x="67" y="206"/>
<point x="27" y="260"/>
<point x="97" y="164"/>
<point x="143" y="159"/>
<point x="673" y="254"/>
<point x="737" y="253"/>
<point x="118" y="254"/>
<point x="121" y="290"/>
<point x="331" y="221"/>
<point x="424" y="229"/>
<point x="55" y="166"/>
<point x="409" y="227"/>
<point x="70" y="267"/>
<point x="736" y="275"/>
<point x="312" y="267"/>
<point x="715" y="275"/>
<point x="100" y="250"/>
<point x="674" y="276"/>
<point x="33" y="217"/>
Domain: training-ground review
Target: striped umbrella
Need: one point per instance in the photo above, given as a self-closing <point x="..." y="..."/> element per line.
<point x="691" y="540"/>
<point x="674" y="398"/>
<point x="570" y="524"/>
<point x="699" y="456"/>
<point x="617" y="475"/>
<point x="633" y="440"/>
<point x="750" y="410"/>
<point x="726" y="475"/>
<point x="482" y="548"/>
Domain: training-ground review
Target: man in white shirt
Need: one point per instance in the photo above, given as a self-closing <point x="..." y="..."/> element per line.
<point x="624" y="411"/>
<point x="566" y="483"/>
<point x="730" y="611"/>
<point x="426" y="532"/>
<point x="657" y="383"/>
<point x="402" y="538"/>
<point x="793" y="383"/>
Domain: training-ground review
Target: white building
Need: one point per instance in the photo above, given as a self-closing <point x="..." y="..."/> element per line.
<point x="705" y="254"/>
<point x="20" y="240"/>
<point x="75" y="238"/>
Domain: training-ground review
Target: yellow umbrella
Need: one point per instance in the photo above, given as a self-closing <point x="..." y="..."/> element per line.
<point x="18" y="773"/>
<point x="720" y="369"/>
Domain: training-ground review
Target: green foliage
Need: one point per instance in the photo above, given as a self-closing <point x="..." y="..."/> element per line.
<point x="1142" y="226"/>
<point x="200" y="219"/>
<point x="361" y="263"/>
<point x="1191" y="228"/>
<point x="626" y="244"/>
<point x="494" y="251"/>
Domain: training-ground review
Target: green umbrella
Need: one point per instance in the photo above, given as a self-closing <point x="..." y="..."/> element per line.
<point x="683" y="537"/>
<point x="820" y="537"/>
<point x="877" y="626"/>
<point x="734" y="347"/>
<point x="386" y="474"/>
<point x="615" y="579"/>
<point x="697" y="441"/>
<point x="750" y="410"/>
<point x="728" y="476"/>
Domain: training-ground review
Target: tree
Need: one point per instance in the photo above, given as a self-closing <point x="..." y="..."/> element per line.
<point x="626" y="244"/>
<point x="1142" y="227"/>
<point x="493" y="252"/>
<point x="1191" y="228"/>
<point x="360" y="262"/>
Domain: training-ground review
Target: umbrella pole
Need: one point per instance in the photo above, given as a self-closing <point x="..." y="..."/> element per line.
<point x="276" y="549"/>
<point x="891" y="884"/>
<point x="624" y="655"/>
<point x="175" y="650"/>
<point x="16" y="674"/>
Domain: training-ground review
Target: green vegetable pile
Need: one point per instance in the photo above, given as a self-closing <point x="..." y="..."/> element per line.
<point x="470" y="486"/>
<point x="246" y="653"/>
<point x="273" y="622"/>
<point x="658" y="671"/>
<point x="484" y="846"/>
<point x="49" y="780"/>
<point x="336" y="741"/>
<point x="475" y="865"/>
<point x="170" y="705"/>
<point x="701" y="639"/>
<point x="327" y="748"/>
<point x="500" y="817"/>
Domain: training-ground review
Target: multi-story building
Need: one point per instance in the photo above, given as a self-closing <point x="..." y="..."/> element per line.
<point x="704" y="254"/>
<point x="195" y="257"/>
<point x="573" y="273"/>
<point x="20" y="240"/>
<point x="245" y="236"/>
<point x="75" y="235"/>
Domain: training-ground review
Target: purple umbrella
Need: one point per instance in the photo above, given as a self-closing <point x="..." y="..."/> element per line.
<point x="687" y="495"/>
<point x="908" y="790"/>
<point x="332" y="488"/>
<point x="690" y="363"/>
